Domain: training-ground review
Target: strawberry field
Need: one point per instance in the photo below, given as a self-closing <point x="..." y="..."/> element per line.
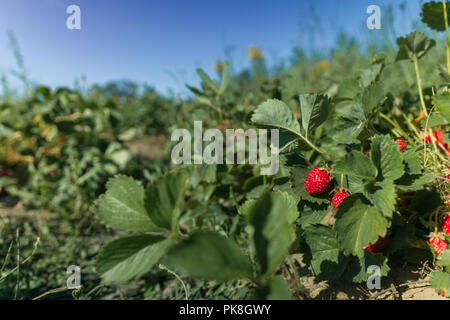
<point x="361" y="195"/>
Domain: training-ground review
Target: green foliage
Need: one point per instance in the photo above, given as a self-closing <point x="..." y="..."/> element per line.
<point x="440" y="281"/>
<point x="270" y="218"/>
<point x="224" y="231"/>
<point x="414" y="46"/>
<point x="129" y="257"/>
<point x="433" y="15"/>
<point x="210" y="256"/>
<point x="122" y="206"/>
<point x="358" y="224"/>
<point x="442" y="104"/>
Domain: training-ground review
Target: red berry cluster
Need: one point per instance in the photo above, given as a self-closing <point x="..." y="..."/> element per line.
<point x="437" y="239"/>
<point x="317" y="182"/>
<point x="439" y="136"/>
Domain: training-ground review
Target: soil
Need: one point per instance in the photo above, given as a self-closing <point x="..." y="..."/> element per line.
<point x="404" y="283"/>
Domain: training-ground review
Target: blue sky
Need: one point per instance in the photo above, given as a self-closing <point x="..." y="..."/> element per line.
<point x="161" y="42"/>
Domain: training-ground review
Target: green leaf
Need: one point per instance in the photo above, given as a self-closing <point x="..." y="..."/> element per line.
<point x="122" y="206"/>
<point x="210" y="256"/>
<point x="358" y="224"/>
<point x="349" y="88"/>
<point x="290" y="142"/>
<point x="412" y="161"/>
<point x="433" y="15"/>
<point x="327" y="262"/>
<point x="414" y="182"/>
<point x="373" y="96"/>
<point x="402" y="236"/>
<point x="164" y="198"/>
<point x="386" y="156"/>
<point x="347" y="130"/>
<point x="312" y="213"/>
<point x="442" y="104"/>
<point x="371" y="74"/>
<point x="440" y="281"/>
<point x="298" y="177"/>
<point x="207" y="172"/>
<point x="289" y="205"/>
<point x="426" y="201"/>
<point x="271" y="218"/>
<point x="276" y="289"/>
<point x="436" y="119"/>
<point x="275" y="113"/>
<point x="382" y="195"/>
<point x="358" y="267"/>
<point x="356" y="164"/>
<point x="444" y="259"/>
<point x="414" y="45"/>
<point x="130" y="257"/>
<point x="315" y="110"/>
<point x="208" y="83"/>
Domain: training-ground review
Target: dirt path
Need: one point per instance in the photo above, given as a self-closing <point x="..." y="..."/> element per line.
<point x="419" y="289"/>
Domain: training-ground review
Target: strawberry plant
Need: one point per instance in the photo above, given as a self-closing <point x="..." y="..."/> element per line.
<point x="154" y="216"/>
<point x="363" y="178"/>
<point x="356" y="154"/>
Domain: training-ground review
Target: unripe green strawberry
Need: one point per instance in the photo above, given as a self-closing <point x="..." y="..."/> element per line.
<point x="317" y="181"/>
<point x="337" y="199"/>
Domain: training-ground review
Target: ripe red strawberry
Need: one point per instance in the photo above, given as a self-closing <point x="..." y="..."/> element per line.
<point x="439" y="136"/>
<point x="446" y="225"/>
<point x="378" y="246"/>
<point x="438" y="242"/>
<point x="317" y="181"/>
<point x="401" y="143"/>
<point x="337" y="198"/>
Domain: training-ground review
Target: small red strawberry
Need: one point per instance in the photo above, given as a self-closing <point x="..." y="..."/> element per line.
<point x="4" y="173"/>
<point x="337" y="198"/>
<point x="401" y="143"/>
<point x="378" y="246"/>
<point x="437" y="241"/>
<point x="317" y="181"/>
<point x="446" y="225"/>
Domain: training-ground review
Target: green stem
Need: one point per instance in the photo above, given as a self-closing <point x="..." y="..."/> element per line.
<point x="186" y="291"/>
<point x="422" y="101"/>
<point x="444" y="2"/>
<point x="394" y="124"/>
<point x="309" y="143"/>
<point x="419" y="85"/>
